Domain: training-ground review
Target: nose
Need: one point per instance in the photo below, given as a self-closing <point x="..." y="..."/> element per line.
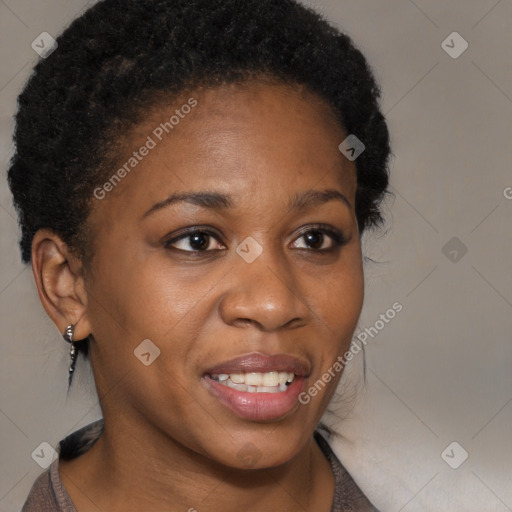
<point x="265" y="293"/>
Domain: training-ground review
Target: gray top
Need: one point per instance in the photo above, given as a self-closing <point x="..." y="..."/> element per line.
<point x="49" y="495"/>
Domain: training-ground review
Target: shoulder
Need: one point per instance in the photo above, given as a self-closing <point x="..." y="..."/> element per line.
<point x="48" y="493"/>
<point x="348" y="497"/>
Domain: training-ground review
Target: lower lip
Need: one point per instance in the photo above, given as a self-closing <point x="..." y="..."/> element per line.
<point x="258" y="406"/>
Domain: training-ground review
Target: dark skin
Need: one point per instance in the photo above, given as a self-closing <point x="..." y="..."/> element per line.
<point x="169" y="444"/>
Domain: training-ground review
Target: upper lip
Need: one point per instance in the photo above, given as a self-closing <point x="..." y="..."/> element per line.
<point x="262" y="363"/>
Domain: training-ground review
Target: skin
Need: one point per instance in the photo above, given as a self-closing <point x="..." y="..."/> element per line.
<point x="169" y="444"/>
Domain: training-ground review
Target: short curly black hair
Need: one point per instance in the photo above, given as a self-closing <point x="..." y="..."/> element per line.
<point x="111" y="61"/>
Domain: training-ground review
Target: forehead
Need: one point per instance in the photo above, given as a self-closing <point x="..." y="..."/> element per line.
<point x="250" y="139"/>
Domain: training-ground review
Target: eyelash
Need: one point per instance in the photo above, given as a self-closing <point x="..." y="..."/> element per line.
<point x="338" y="239"/>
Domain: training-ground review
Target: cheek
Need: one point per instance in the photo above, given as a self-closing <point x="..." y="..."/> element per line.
<point x="341" y="295"/>
<point x="149" y="298"/>
<point x="142" y="296"/>
<point x="339" y="306"/>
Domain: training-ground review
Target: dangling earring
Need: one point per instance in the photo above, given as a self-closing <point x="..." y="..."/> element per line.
<point x="68" y="336"/>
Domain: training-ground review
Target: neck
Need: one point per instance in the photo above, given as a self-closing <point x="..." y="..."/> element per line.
<point x="137" y="469"/>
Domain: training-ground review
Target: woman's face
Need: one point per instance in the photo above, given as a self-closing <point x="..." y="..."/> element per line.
<point x="232" y="246"/>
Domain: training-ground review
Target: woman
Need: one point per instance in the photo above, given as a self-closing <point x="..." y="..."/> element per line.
<point x="192" y="180"/>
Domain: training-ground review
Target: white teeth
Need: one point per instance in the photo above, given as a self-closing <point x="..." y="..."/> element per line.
<point x="270" y="379"/>
<point x="283" y="377"/>
<point x="238" y="378"/>
<point x="269" y="389"/>
<point x="256" y="382"/>
<point x="238" y="387"/>
<point x="253" y="379"/>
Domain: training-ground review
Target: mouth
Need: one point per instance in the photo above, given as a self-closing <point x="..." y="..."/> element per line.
<point x="256" y="382"/>
<point x="258" y="387"/>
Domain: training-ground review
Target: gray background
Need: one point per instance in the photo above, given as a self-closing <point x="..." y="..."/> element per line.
<point x="440" y="371"/>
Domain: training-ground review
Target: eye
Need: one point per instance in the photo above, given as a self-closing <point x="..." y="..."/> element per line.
<point x="197" y="240"/>
<point x="321" y="239"/>
<point x="318" y="238"/>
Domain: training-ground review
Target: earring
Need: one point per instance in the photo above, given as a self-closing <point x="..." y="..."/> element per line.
<point x="68" y="336"/>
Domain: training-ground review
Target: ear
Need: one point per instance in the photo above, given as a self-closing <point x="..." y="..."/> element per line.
<point x="60" y="283"/>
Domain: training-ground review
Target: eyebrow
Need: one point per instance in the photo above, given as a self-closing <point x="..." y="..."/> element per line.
<point x="219" y="201"/>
